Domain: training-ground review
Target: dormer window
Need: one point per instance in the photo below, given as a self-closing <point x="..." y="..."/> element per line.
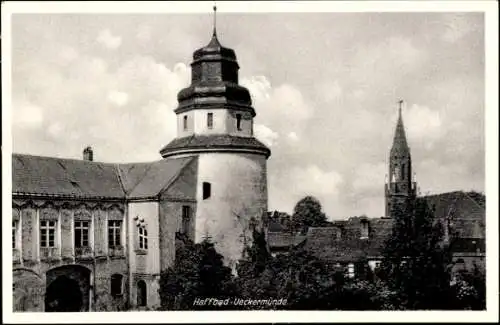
<point x="185" y="122"/>
<point x="238" y="122"/>
<point x="210" y="120"/>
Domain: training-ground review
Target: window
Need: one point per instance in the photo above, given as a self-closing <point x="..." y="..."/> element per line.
<point x="82" y="234"/>
<point x="186" y="219"/>
<point x="114" y="233"/>
<point x="141" y="293"/>
<point x="350" y="270"/>
<point x="185" y="122"/>
<point x="210" y="120"/>
<point x="207" y="189"/>
<point x="14" y="234"/>
<point x="47" y="234"/>
<point x="116" y="285"/>
<point x="238" y="122"/>
<point x="143" y="237"/>
<point x="403" y="172"/>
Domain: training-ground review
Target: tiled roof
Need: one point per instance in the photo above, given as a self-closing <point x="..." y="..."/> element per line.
<point x="64" y="177"/>
<point x="37" y="175"/>
<point x="148" y="179"/>
<point x="215" y="141"/>
<point x="280" y="240"/>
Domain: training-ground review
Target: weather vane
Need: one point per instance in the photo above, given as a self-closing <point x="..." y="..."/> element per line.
<point x="400" y="102"/>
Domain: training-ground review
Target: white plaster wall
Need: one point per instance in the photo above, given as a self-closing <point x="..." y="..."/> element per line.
<point x="246" y="124"/>
<point x="148" y="211"/>
<point x="190" y="124"/>
<point x="239" y="187"/>
<point x="200" y="121"/>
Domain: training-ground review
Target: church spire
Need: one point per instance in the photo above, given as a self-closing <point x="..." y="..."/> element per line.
<point x="399" y="144"/>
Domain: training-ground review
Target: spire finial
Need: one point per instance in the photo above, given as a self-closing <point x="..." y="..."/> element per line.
<point x="215" y="19"/>
<point x="400" y="102"/>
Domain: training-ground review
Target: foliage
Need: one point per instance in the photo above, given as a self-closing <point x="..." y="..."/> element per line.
<point x="198" y="272"/>
<point x="470" y="289"/>
<point x="308" y="213"/>
<point x="415" y="264"/>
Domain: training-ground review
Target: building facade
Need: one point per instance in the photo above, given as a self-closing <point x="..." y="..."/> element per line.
<point x="89" y="235"/>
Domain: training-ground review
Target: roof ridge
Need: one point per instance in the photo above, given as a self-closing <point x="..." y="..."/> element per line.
<point x="120" y="180"/>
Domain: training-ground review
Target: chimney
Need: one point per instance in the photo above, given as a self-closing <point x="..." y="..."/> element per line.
<point x="88" y="154"/>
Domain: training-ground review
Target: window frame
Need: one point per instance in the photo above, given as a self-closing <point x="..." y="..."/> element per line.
<point x="185" y="122"/>
<point x="82" y="229"/>
<point x="46" y="227"/>
<point x="114" y="228"/>
<point x="186" y="219"/>
<point x="142" y="234"/>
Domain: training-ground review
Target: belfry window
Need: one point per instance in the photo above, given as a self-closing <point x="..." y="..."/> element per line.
<point x="238" y="122"/>
<point x="207" y="190"/>
<point x="403" y="172"/>
<point x="184" y="122"/>
<point x="210" y="120"/>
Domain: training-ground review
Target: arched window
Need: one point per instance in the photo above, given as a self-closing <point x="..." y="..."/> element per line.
<point x="141" y="293"/>
<point x="365" y="229"/>
<point x="186" y="219"/>
<point x="116" y="285"/>
<point x="185" y="122"/>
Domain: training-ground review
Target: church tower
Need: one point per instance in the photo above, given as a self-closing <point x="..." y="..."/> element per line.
<point x="400" y="185"/>
<point x="215" y="120"/>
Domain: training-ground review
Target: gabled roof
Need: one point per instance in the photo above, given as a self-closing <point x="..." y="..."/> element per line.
<point x="38" y="175"/>
<point x="143" y="180"/>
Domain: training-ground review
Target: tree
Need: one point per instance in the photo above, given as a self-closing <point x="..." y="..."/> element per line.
<point x="308" y="213"/>
<point x="198" y="272"/>
<point x="416" y="264"/>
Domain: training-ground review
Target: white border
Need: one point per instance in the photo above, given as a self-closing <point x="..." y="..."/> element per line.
<point x="491" y="125"/>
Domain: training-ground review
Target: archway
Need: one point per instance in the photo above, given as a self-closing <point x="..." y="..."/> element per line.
<point x="141" y="294"/>
<point x="68" y="289"/>
<point x="63" y="294"/>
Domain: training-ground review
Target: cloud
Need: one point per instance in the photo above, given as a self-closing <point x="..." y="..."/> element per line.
<point x="312" y="180"/>
<point x="118" y="98"/>
<point x="27" y="115"/>
<point x="422" y="123"/>
<point x="456" y="26"/>
<point x="265" y="134"/>
<point x="107" y="39"/>
<point x="369" y="178"/>
<point x="292" y="136"/>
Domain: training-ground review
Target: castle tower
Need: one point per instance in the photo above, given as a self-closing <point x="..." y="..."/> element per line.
<point x="215" y="122"/>
<point x="400" y="185"/>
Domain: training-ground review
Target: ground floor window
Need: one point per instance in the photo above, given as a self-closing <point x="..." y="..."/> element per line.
<point x="141" y="293"/>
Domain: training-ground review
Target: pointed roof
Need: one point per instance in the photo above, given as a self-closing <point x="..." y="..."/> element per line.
<point x="399" y="144"/>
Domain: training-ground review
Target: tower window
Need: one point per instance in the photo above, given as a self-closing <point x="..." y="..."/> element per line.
<point x="210" y="120"/>
<point x="403" y="172"/>
<point x="207" y="190"/>
<point x="238" y="122"/>
<point x="185" y="122"/>
<point x="364" y="229"/>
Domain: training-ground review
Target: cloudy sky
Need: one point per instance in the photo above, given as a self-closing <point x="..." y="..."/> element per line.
<point x="324" y="86"/>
